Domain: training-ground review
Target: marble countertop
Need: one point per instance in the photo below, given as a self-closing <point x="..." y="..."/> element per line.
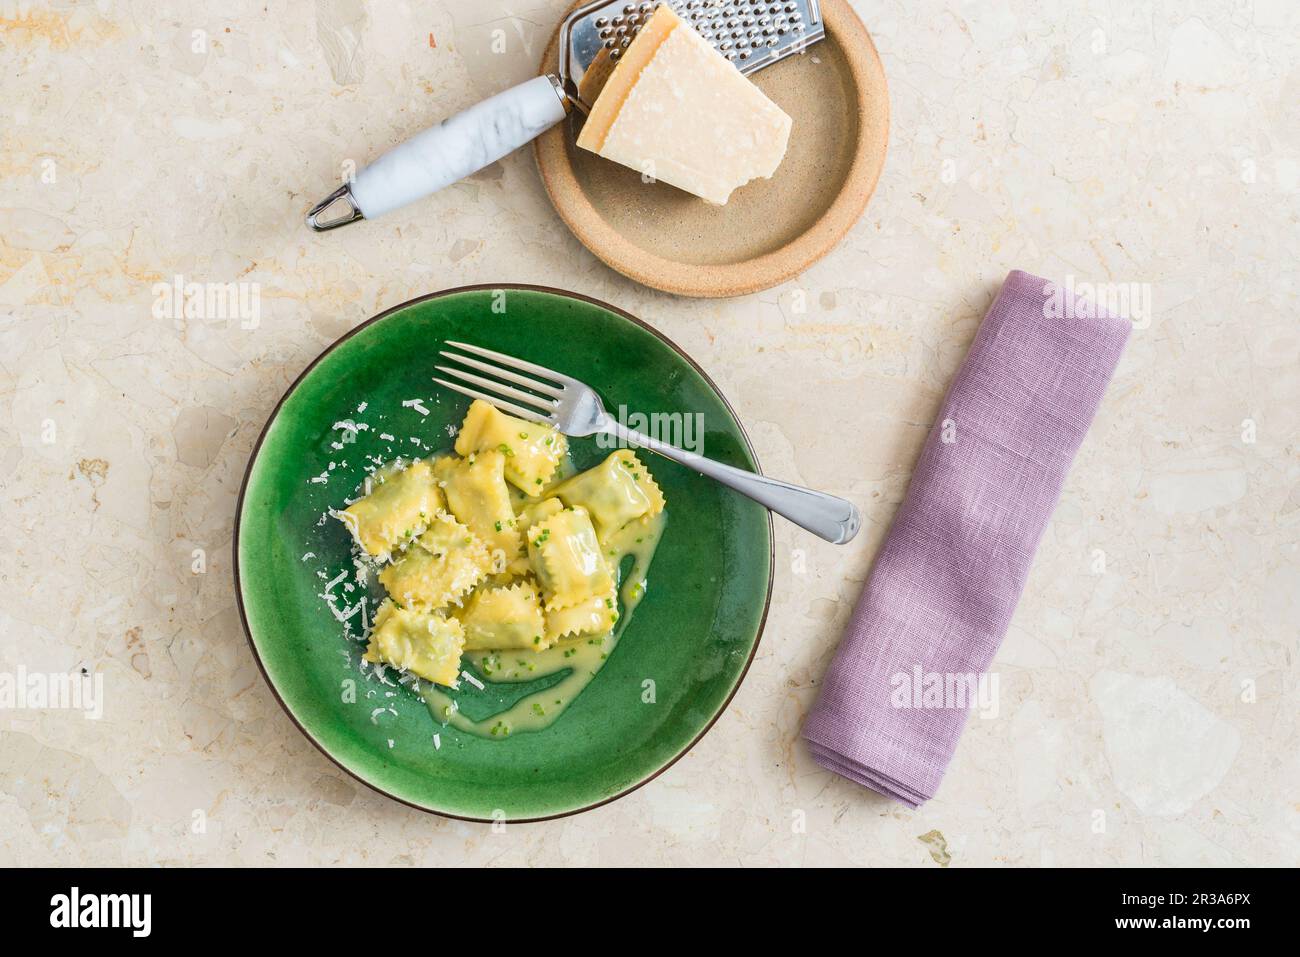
<point x="1149" y="681"/>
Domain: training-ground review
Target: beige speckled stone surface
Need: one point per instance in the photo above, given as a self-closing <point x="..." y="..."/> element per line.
<point x="1149" y="681"/>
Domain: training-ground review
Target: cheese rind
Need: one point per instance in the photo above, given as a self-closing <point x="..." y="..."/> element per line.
<point x="620" y="82"/>
<point x="677" y="110"/>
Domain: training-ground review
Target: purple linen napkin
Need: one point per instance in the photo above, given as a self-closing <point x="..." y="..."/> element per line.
<point x="944" y="586"/>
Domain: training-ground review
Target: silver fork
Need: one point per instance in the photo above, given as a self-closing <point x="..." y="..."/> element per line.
<point x="575" y="409"/>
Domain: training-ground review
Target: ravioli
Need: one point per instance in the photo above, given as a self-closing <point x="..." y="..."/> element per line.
<point x="592" y="616"/>
<point x="398" y="506"/>
<point x="477" y="495"/>
<point x="614" y="493"/>
<point x="536" y="512"/>
<point x="532" y="452"/>
<point x="500" y="618"/>
<point x="424" y="644"/>
<point x="566" y="557"/>
<point x="438" y="567"/>
<point x="491" y="550"/>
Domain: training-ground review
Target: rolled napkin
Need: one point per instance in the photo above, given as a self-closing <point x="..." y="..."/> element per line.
<point x="943" y="588"/>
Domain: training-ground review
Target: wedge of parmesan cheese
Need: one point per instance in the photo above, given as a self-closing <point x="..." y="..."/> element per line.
<point x="676" y="110"/>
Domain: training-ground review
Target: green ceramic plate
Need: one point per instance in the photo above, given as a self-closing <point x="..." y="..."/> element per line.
<point x="693" y="635"/>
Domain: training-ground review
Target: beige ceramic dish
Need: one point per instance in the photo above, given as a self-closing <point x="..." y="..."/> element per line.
<point x="771" y="230"/>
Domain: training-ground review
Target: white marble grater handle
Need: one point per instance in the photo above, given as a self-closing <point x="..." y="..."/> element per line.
<point x="450" y="151"/>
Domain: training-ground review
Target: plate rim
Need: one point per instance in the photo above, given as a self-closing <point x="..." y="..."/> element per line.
<point x="770" y="268"/>
<point x="274" y="415"/>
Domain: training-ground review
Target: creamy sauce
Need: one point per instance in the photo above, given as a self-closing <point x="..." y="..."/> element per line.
<point x="560" y="672"/>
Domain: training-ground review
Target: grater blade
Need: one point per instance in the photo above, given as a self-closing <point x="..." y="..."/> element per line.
<point x="752" y="34"/>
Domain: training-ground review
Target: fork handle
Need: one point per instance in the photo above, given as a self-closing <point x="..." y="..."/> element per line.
<point x="834" y="519"/>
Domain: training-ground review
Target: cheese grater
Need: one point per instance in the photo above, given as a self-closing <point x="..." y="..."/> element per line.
<point x="752" y="34"/>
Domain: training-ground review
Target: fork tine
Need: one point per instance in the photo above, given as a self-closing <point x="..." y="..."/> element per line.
<point x="506" y="374"/>
<point x="547" y="405"/>
<point x="500" y="403"/>
<point x="514" y="363"/>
